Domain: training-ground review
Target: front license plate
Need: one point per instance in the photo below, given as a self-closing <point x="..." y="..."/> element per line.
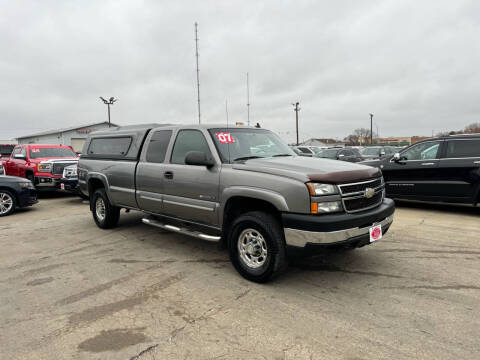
<point x="62" y="186"/>
<point x="375" y="233"/>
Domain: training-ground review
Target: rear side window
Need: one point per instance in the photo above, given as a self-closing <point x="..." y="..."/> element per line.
<point x="188" y="140"/>
<point x="157" y="146"/>
<point x="117" y="146"/>
<point x="463" y="148"/>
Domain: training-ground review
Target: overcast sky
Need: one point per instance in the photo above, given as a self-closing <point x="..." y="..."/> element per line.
<point x="413" y="64"/>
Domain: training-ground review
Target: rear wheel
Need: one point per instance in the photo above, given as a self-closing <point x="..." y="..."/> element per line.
<point x="8" y="203"/>
<point x="106" y="215"/>
<point x="257" y="246"/>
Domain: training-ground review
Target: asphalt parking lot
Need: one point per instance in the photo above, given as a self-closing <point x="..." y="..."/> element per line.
<point x="71" y="290"/>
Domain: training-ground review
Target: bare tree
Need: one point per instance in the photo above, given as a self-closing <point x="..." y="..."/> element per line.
<point x="472" y="128"/>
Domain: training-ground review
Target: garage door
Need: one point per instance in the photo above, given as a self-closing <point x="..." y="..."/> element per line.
<point x="77" y="144"/>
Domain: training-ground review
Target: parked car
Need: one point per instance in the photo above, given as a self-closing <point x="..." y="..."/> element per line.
<point x="15" y="193"/>
<point x="377" y="152"/>
<point x="344" y="154"/>
<point x="41" y="164"/>
<point x="205" y="181"/>
<point x="303" y="151"/>
<point x="442" y="169"/>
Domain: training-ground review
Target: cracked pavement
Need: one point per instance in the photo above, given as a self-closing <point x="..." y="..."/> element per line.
<point x="71" y="290"/>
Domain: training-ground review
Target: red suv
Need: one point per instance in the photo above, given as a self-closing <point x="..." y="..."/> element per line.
<point x="41" y="164"/>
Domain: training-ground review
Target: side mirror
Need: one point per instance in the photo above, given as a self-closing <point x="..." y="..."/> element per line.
<point x="198" y="158"/>
<point x="19" y="156"/>
<point x="397" y="157"/>
<point x="340" y="156"/>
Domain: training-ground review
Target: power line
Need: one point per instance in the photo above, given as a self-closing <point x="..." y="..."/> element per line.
<point x="198" y="72"/>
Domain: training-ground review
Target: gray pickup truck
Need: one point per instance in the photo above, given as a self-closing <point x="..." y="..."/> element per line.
<point x="240" y="186"/>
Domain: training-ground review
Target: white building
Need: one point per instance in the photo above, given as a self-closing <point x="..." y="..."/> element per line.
<point x="73" y="136"/>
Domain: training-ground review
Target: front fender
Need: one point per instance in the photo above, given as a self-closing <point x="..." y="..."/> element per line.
<point x="272" y="197"/>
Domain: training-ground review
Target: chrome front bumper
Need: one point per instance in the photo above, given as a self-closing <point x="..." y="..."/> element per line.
<point x="300" y="238"/>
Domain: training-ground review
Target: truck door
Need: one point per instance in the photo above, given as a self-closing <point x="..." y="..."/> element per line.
<point x="191" y="191"/>
<point x="11" y="167"/>
<point x="150" y="171"/>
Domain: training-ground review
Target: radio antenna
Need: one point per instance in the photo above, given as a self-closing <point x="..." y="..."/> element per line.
<point x="248" y="102"/>
<point x="198" y="71"/>
<point x="226" y="110"/>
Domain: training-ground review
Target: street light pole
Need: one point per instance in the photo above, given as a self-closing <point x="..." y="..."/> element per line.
<point x="296" y="109"/>
<point x="108" y="103"/>
<point x="371" y="129"/>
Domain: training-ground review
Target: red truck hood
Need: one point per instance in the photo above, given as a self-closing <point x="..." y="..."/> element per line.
<point x="56" y="159"/>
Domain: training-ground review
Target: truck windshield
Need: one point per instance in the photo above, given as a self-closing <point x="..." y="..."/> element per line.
<point x="244" y="143"/>
<point x="51" y="152"/>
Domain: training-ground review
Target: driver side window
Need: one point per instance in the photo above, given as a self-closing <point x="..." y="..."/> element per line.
<point x="188" y="140"/>
<point x="423" y="151"/>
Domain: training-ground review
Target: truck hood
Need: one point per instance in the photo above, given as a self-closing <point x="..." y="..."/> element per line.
<point x="310" y="169"/>
<point x="55" y="160"/>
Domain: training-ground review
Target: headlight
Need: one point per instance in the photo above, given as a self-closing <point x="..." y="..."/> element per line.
<point x="326" y="207"/>
<point x="44" y="167"/>
<point x="317" y="189"/>
<point x="27" y="185"/>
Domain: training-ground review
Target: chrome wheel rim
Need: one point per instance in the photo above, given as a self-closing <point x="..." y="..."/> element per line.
<point x="6" y="203"/>
<point x="100" y="209"/>
<point x="252" y="248"/>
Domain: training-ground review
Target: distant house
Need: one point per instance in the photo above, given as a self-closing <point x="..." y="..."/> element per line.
<point x="73" y="136"/>
<point x="322" y="142"/>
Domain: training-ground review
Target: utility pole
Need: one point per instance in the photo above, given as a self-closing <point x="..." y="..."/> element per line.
<point x="248" y="102"/>
<point x="296" y="109"/>
<point x="371" y="129"/>
<point x="198" y="71"/>
<point x="108" y="103"/>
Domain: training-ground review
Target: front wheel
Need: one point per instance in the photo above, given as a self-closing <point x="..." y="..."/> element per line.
<point x="257" y="246"/>
<point x="8" y="203"/>
<point x="106" y="215"/>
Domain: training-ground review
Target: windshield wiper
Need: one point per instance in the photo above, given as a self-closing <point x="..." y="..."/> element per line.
<point x="248" y="158"/>
<point x="278" y="155"/>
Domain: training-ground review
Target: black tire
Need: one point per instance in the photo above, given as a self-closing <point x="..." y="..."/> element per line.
<point x="271" y="235"/>
<point x="111" y="213"/>
<point x="31" y="177"/>
<point x="10" y="202"/>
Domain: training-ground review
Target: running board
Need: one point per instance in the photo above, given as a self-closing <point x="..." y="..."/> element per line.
<point x="184" y="231"/>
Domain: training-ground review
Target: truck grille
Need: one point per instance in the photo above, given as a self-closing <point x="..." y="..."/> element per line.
<point x="360" y="187"/>
<point x="360" y="203"/>
<point x="354" y="196"/>
<point x="57" y="168"/>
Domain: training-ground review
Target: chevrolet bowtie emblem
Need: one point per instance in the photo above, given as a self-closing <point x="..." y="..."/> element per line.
<point x="369" y="192"/>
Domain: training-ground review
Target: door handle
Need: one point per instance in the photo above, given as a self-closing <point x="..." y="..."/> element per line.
<point x="168" y="175"/>
<point x="428" y="164"/>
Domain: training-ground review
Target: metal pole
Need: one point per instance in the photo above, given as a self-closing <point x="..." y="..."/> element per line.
<point x="198" y="75"/>
<point x="296" y="116"/>
<point x="371" y="129"/>
<point x="108" y="105"/>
